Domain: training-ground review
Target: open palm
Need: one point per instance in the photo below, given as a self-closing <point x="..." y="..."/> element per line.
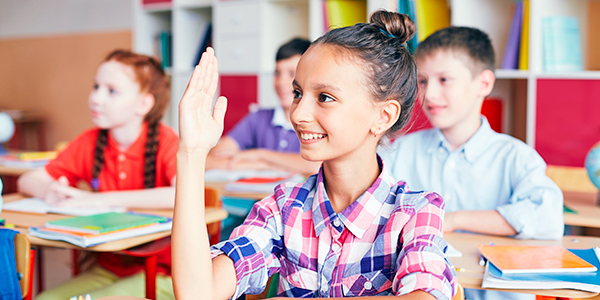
<point x="200" y="127"/>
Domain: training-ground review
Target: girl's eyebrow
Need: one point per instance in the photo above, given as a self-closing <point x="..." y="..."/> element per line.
<point x="322" y="86"/>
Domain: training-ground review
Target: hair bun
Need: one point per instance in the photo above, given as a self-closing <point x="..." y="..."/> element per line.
<point x="398" y="25"/>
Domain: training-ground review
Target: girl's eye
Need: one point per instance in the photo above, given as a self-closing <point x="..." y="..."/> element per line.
<point x="422" y="82"/>
<point x="297" y="94"/>
<point x="443" y="79"/>
<point x="112" y="91"/>
<point x="325" y="98"/>
<point x="95" y="87"/>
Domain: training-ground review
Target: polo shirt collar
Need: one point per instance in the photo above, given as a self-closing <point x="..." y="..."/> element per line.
<point x="135" y="150"/>
<point x="367" y="206"/>
<point x="279" y="119"/>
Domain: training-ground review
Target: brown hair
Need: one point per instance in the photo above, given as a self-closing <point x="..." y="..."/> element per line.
<point x="472" y="42"/>
<point x="380" y="45"/>
<point x="153" y="80"/>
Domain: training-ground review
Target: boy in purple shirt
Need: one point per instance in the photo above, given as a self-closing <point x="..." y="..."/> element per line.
<point x="265" y="139"/>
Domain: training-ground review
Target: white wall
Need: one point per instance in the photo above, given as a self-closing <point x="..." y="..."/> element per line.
<point x="24" y="18"/>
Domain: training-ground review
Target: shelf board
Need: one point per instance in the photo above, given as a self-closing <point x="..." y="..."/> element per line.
<point x="204" y="4"/>
<point x="158" y="7"/>
<point x="591" y="75"/>
<point x="511" y="74"/>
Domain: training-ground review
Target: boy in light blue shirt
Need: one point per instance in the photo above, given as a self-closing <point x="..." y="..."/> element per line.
<point x="491" y="183"/>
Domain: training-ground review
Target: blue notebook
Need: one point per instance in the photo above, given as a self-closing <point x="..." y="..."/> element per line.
<point x="561" y="44"/>
<point x="586" y="281"/>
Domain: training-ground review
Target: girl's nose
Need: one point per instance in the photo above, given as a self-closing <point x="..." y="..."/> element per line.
<point x="301" y="111"/>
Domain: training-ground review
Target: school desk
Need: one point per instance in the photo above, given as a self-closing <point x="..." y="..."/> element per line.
<point x="584" y="204"/>
<point x="22" y="221"/>
<point x="4" y="170"/>
<point x="470" y="273"/>
<point x="220" y="187"/>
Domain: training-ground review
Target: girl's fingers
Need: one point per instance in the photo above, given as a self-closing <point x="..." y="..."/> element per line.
<point x="219" y="110"/>
<point x="215" y="78"/>
<point x="193" y="84"/>
<point x="210" y="68"/>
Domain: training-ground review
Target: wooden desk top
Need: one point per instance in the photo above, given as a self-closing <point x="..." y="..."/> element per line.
<point x="22" y="221"/>
<point x="220" y="187"/>
<point x="588" y="213"/>
<point x="472" y="273"/>
<point x="4" y="170"/>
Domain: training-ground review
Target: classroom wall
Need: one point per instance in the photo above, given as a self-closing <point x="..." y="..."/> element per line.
<point x="49" y="52"/>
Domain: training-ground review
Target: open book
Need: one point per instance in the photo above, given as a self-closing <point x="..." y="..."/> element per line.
<point x="39" y="206"/>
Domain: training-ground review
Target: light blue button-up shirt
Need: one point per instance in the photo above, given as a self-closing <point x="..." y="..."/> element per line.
<point x="491" y="171"/>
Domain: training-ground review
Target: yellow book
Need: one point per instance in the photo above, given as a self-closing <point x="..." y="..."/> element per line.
<point x="432" y="15"/>
<point x="524" y="51"/>
<point x="342" y="13"/>
<point x="44" y="155"/>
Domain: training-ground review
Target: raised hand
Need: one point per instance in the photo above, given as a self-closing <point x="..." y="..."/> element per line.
<point x="200" y="127"/>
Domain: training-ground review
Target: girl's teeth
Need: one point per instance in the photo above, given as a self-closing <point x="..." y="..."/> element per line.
<point x="310" y="136"/>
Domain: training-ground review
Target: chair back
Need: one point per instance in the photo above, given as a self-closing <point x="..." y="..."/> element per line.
<point x="460" y="292"/>
<point x="573" y="179"/>
<point x="24" y="258"/>
<point x="212" y="199"/>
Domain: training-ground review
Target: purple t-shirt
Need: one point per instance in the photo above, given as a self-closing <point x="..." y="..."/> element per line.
<point x="258" y="130"/>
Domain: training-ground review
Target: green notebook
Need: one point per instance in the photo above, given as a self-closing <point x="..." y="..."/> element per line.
<point x="106" y="222"/>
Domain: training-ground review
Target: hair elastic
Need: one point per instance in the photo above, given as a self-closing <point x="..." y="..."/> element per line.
<point x="386" y="33"/>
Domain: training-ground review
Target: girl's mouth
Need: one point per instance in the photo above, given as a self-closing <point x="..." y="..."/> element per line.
<point x="312" y="136"/>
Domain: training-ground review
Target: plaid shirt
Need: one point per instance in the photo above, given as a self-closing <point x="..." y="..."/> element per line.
<point x="387" y="242"/>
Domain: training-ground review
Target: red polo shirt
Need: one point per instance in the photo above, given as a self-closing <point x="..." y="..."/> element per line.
<point x="122" y="170"/>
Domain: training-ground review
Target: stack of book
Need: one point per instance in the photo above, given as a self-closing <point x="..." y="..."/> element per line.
<point x="91" y="230"/>
<point x="540" y="267"/>
<point x="27" y="159"/>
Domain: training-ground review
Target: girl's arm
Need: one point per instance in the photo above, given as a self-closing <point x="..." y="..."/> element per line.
<point x="194" y="273"/>
<point x="35" y="183"/>
<point x="40" y="184"/>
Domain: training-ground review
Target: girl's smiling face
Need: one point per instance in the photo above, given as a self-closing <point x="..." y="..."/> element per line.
<point x="332" y="112"/>
<point x="116" y="100"/>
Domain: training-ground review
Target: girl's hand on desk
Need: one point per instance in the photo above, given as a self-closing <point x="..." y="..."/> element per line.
<point x="56" y="190"/>
<point x="449" y="222"/>
<point x="199" y="127"/>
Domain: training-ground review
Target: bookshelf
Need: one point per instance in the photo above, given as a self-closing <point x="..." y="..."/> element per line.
<point x="247" y="33"/>
<point x="186" y="21"/>
<point x="539" y="112"/>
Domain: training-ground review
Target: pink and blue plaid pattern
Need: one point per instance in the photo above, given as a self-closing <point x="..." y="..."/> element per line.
<point x="388" y="242"/>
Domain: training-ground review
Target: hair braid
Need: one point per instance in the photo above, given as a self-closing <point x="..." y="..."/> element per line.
<point x="101" y="142"/>
<point x="150" y="154"/>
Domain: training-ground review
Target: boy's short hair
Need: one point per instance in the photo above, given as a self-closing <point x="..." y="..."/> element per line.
<point x="296" y="46"/>
<point x="472" y="42"/>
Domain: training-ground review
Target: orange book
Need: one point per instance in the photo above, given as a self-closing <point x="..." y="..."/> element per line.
<point x="512" y="259"/>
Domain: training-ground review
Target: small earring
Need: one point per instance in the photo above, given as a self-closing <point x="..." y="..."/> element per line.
<point x="376" y="131"/>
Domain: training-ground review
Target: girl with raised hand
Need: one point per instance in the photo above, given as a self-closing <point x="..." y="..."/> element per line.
<point x="128" y="160"/>
<point x="350" y="229"/>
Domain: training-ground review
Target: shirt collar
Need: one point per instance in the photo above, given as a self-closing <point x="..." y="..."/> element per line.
<point x="279" y="119"/>
<point x="475" y="146"/>
<point x="135" y="150"/>
<point x="367" y="205"/>
<point x="472" y="148"/>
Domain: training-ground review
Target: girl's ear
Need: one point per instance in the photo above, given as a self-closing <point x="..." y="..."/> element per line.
<point x="388" y="115"/>
<point x="146" y="104"/>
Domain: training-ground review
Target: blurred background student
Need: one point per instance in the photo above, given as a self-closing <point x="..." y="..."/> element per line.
<point x="265" y="139"/>
<point x="128" y="159"/>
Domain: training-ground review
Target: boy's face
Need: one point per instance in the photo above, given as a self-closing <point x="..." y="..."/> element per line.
<point x="285" y="71"/>
<point x="453" y="96"/>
